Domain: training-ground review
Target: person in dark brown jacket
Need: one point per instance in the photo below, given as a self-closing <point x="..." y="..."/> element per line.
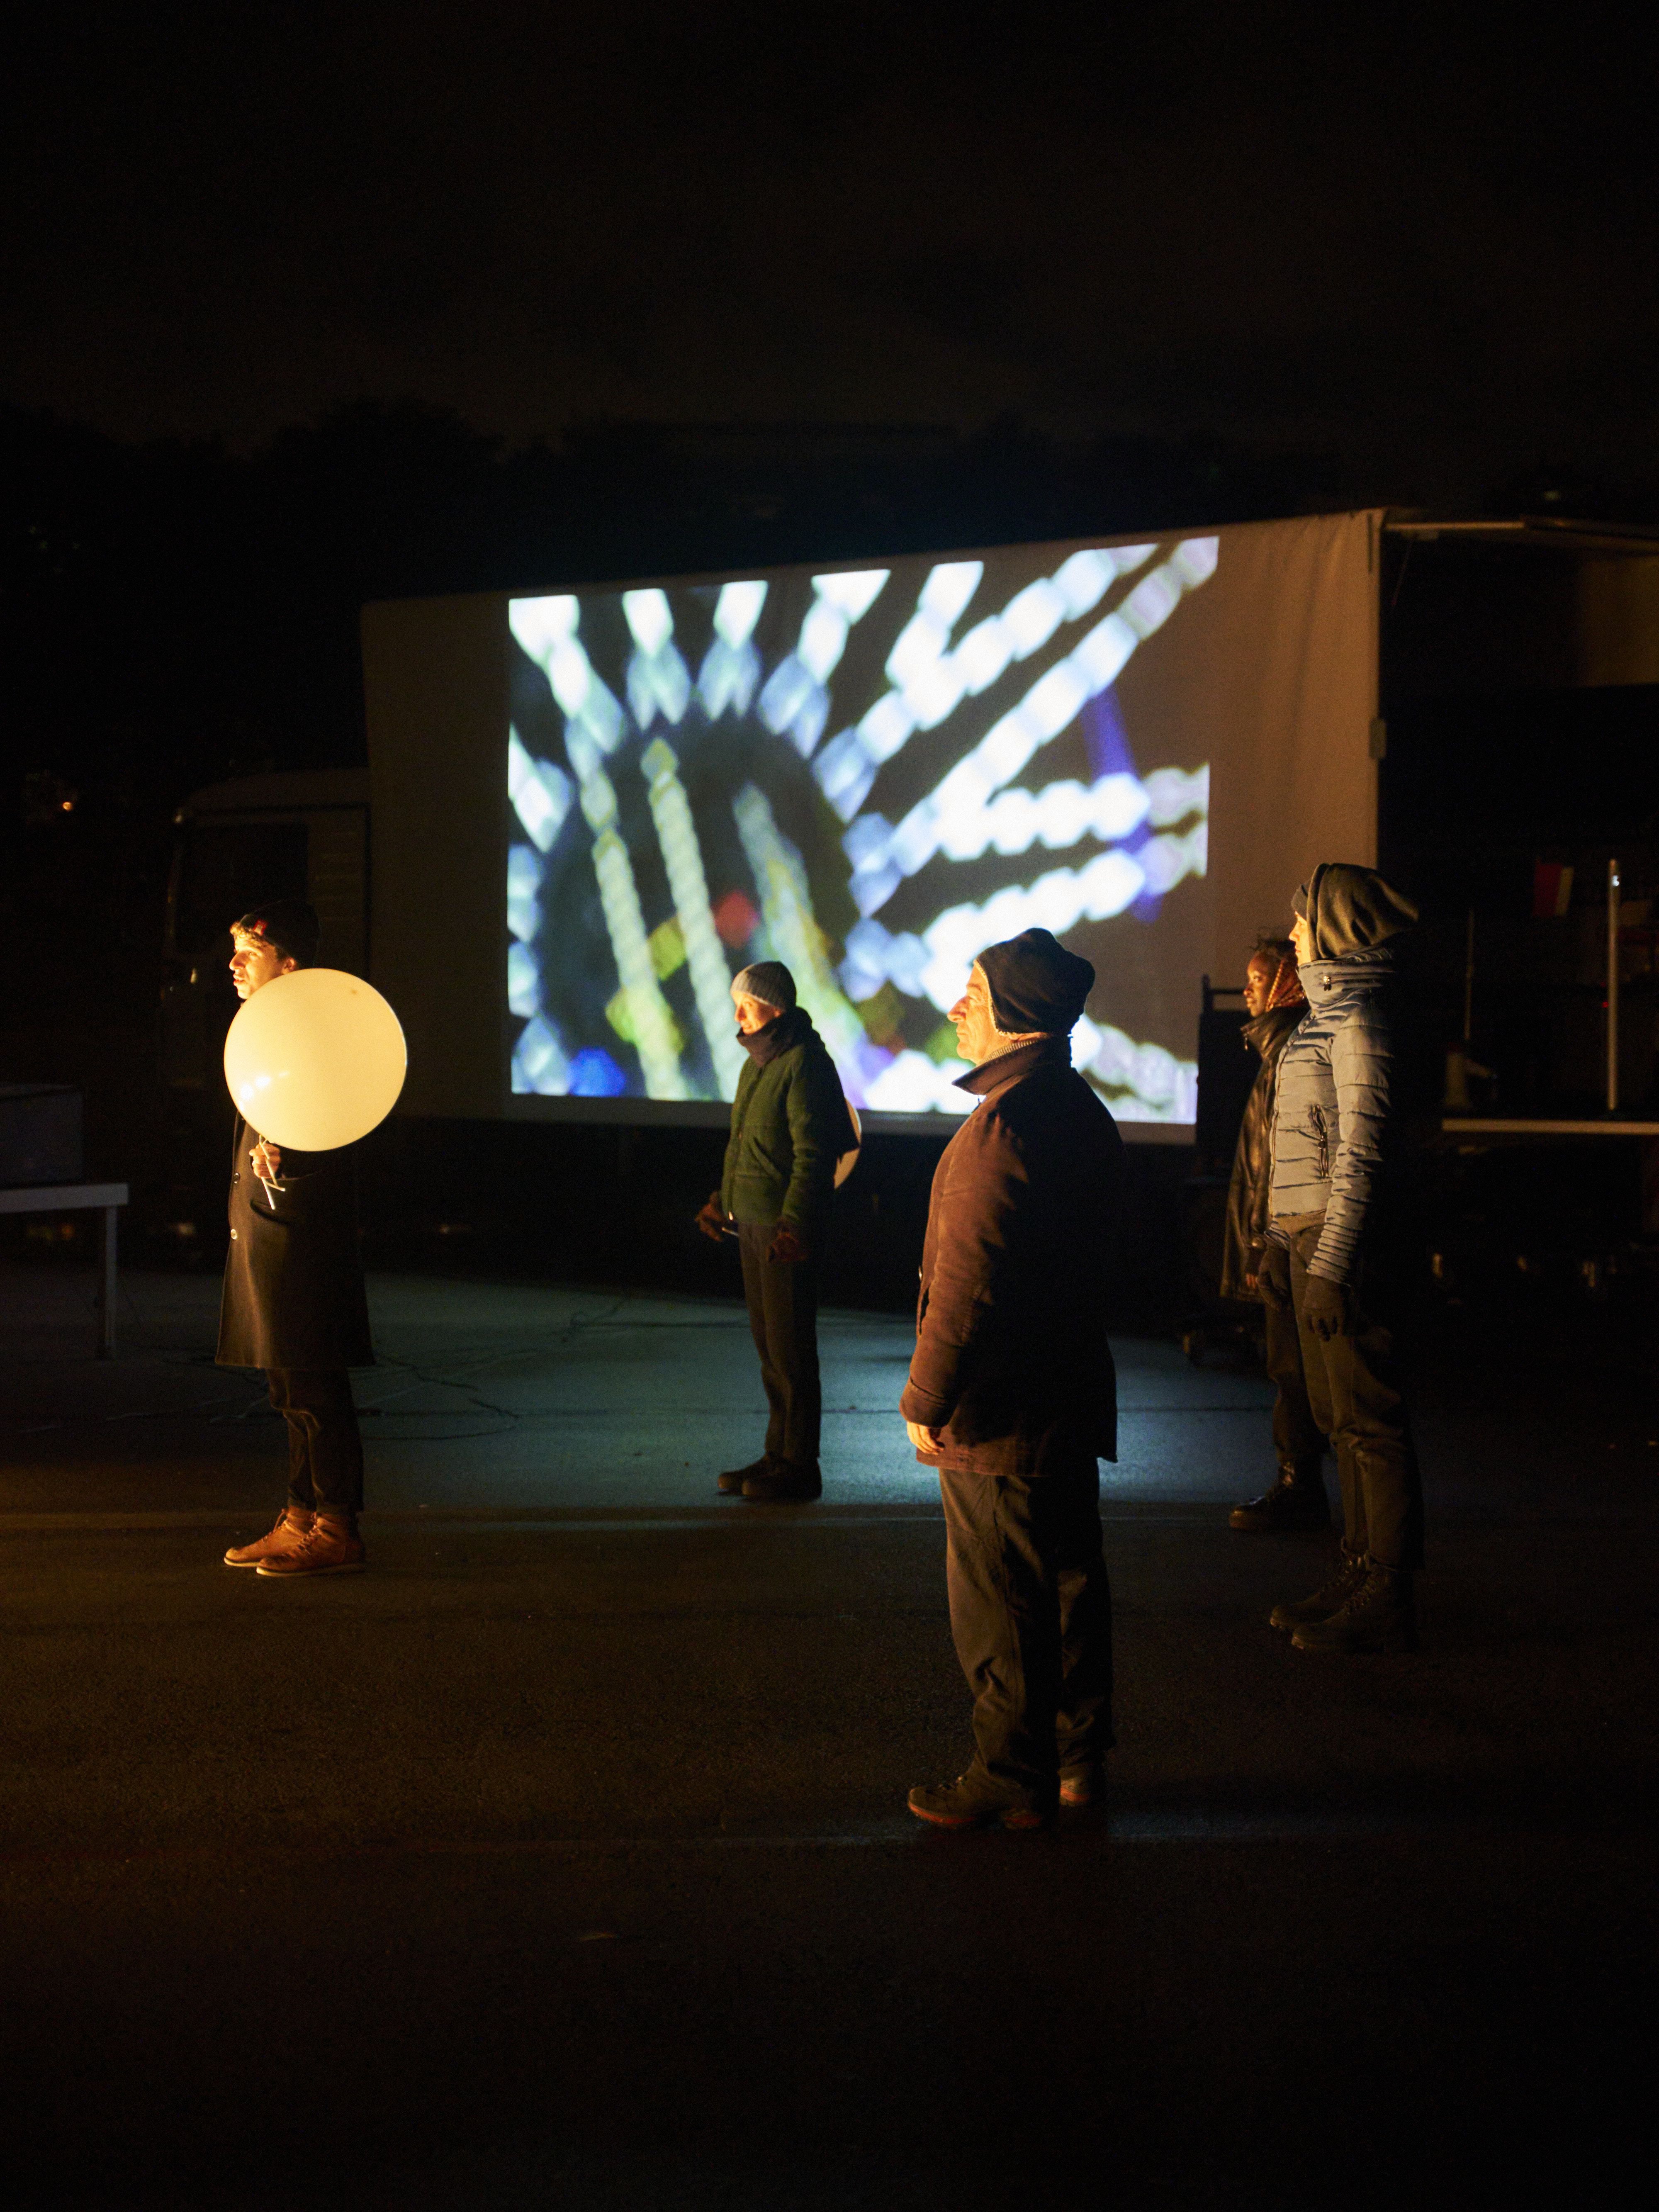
<point x="293" y="1300"/>
<point x="1274" y="999"/>
<point x="1012" y="1395"/>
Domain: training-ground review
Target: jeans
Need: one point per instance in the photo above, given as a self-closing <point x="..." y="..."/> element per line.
<point x="1298" y="1438"/>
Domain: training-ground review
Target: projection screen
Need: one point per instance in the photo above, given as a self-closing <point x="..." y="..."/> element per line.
<point x="870" y="771"/>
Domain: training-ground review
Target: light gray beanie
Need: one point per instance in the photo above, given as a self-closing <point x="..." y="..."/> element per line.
<point x="769" y="981"/>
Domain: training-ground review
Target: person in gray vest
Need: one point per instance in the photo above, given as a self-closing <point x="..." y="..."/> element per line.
<point x="1275" y="1002"/>
<point x="1334" y="1254"/>
<point x="789" y="1126"/>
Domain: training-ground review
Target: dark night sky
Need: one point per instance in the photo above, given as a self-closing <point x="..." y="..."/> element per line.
<point x="1421" y="241"/>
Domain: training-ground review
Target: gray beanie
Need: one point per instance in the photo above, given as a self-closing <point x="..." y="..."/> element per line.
<point x="769" y="982"/>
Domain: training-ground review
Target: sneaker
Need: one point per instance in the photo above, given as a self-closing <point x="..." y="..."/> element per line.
<point x="1291" y="1503"/>
<point x="967" y="1803"/>
<point x="330" y="1547"/>
<point x="785" y="1484"/>
<point x="288" y="1535"/>
<point x="1325" y="1600"/>
<point x="1379" y="1615"/>
<point x="730" y="1485"/>
<point x="1083" y="1785"/>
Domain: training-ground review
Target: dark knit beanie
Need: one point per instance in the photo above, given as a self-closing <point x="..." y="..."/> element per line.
<point x="289" y="924"/>
<point x="1035" y="984"/>
<point x="769" y="982"/>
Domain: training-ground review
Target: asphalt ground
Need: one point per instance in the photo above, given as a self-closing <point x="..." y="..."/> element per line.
<point x="562" y="1859"/>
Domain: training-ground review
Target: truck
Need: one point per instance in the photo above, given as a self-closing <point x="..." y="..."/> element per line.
<point x="299" y="834"/>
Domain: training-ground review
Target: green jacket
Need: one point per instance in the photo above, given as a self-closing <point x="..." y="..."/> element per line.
<point x="789" y="1126"/>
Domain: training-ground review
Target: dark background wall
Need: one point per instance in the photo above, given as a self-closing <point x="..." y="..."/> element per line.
<point x="174" y="614"/>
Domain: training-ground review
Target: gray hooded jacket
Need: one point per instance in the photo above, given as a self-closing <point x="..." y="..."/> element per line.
<point x="1336" y="1107"/>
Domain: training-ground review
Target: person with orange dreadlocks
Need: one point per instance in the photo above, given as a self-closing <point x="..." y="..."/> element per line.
<point x="1274" y="999"/>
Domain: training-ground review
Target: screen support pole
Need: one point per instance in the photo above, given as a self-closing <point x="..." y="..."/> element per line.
<point x="1613" y="986"/>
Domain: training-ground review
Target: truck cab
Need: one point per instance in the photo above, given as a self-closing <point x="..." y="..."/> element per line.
<point x="297" y="835"/>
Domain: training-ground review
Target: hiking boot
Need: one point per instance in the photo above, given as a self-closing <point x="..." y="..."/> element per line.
<point x="1294" y="1502"/>
<point x="1378" y="1616"/>
<point x="1298" y="1612"/>
<point x="730" y="1485"/>
<point x="330" y="1547"/>
<point x="785" y="1484"/>
<point x="288" y="1535"/>
<point x="969" y="1803"/>
<point x="1083" y="1785"/>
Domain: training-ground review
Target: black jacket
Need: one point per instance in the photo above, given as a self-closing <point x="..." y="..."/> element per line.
<point x="293" y="1277"/>
<point x="1022" y="1233"/>
<point x="1253" y="1160"/>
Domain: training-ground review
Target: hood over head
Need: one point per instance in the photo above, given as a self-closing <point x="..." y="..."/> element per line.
<point x="1351" y="909"/>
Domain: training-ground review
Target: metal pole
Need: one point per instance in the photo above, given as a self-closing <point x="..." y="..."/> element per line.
<point x="1613" y="986"/>
<point x="106" y="1293"/>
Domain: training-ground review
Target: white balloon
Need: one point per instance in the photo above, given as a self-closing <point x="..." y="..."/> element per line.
<point x="315" y="1059"/>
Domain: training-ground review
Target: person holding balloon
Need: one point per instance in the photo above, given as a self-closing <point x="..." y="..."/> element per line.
<point x="294" y="1302"/>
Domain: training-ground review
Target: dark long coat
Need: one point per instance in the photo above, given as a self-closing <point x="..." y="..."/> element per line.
<point x="1023" y="1225"/>
<point x="1247" y="1194"/>
<point x="293" y="1277"/>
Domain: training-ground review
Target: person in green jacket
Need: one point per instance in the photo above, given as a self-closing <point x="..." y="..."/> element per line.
<point x="789" y="1126"/>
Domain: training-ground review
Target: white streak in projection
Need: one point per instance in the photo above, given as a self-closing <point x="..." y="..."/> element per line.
<point x="914" y="1084"/>
<point x="796" y="937"/>
<point x="711" y="979"/>
<point x="930" y="682"/>
<point x="524" y="884"/>
<point x="796" y="699"/>
<point x="1049" y="706"/>
<point x="935" y="963"/>
<point x="1140" y="1082"/>
<point x="648" y="1013"/>
<point x="524" y="981"/>
<point x="658" y="680"/>
<point x="540" y="792"/>
<point x="540" y="1067"/>
<point x="546" y="628"/>
<point x="731" y="667"/>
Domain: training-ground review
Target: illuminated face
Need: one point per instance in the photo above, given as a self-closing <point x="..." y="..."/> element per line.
<point x="1301" y="937"/>
<point x="1258" y="983"/>
<point x="978" y="1037"/>
<point x="254" y="962"/>
<point x="755" y="1013"/>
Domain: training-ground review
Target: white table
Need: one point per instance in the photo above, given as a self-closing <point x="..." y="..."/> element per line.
<point x="107" y="1198"/>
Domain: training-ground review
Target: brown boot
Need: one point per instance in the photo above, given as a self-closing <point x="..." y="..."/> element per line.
<point x="332" y="1547"/>
<point x="288" y="1535"/>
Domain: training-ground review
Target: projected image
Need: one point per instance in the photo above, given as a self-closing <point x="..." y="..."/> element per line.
<point x="870" y="775"/>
